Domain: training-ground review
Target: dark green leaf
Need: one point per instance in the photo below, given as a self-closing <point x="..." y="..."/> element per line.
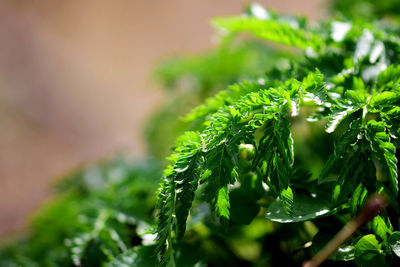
<point x="394" y="242"/>
<point x="305" y="207"/>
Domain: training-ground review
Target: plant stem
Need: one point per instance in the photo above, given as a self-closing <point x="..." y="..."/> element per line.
<point x="375" y="204"/>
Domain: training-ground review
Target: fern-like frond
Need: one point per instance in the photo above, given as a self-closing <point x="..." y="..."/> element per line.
<point x="272" y="29"/>
<point x="275" y="157"/>
<point x="224" y="132"/>
<point x="338" y="115"/>
<point x="276" y="29"/>
<point x="385" y="152"/>
<point x="341" y="109"/>
<point x="217" y="155"/>
<point x="223" y="98"/>
<point x="343" y="145"/>
<point x="176" y="193"/>
<point x="356" y="179"/>
<point x="165" y="219"/>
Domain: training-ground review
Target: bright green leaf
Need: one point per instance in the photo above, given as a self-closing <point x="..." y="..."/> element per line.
<point x="368" y="252"/>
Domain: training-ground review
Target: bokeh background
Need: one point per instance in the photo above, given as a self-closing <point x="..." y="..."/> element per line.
<point x="75" y="82"/>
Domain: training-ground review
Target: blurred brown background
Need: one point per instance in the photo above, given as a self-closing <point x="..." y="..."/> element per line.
<point x="75" y="86"/>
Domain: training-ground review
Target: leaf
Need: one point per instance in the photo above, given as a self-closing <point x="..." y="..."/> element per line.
<point x="280" y="31"/>
<point x="349" y="176"/>
<point x="368" y="252"/>
<point x="286" y="197"/>
<point x="356" y="96"/>
<point x="230" y="126"/>
<point x="314" y="87"/>
<point x="385" y="152"/>
<point x="394" y="242"/>
<point x="384" y="98"/>
<point x="355" y="199"/>
<point x="166" y="197"/>
<point x="176" y="193"/>
<point x="338" y="116"/>
<point x="223" y="98"/>
<point x="343" y="253"/>
<point x="222" y="204"/>
<point x="343" y="146"/>
<point x="275" y="151"/>
<point x="380" y="228"/>
<point x="305" y="208"/>
<point x="186" y="171"/>
<point x="223" y="172"/>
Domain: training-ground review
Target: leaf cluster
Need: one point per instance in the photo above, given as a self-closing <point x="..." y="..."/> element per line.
<point x="100" y="212"/>
<point x="286" y="144"/>
<point x="346" y="80"/>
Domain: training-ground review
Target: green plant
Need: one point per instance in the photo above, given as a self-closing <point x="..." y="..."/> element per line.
<point x="285" y="146"/>
<point x="347" y="80"/>
<point x="100" y="211"/>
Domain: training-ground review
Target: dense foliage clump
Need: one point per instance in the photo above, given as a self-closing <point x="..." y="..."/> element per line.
<point x="345" y="80"/>
<point x="285" y="146"/>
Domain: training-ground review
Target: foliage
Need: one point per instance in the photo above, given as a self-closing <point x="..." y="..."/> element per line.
<point x="100" y="212"/>
<point x="342" y="81"/>
<point x="367" y="9"/>
<point x="281" y="151"/>
<point x="190" y="79"/>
